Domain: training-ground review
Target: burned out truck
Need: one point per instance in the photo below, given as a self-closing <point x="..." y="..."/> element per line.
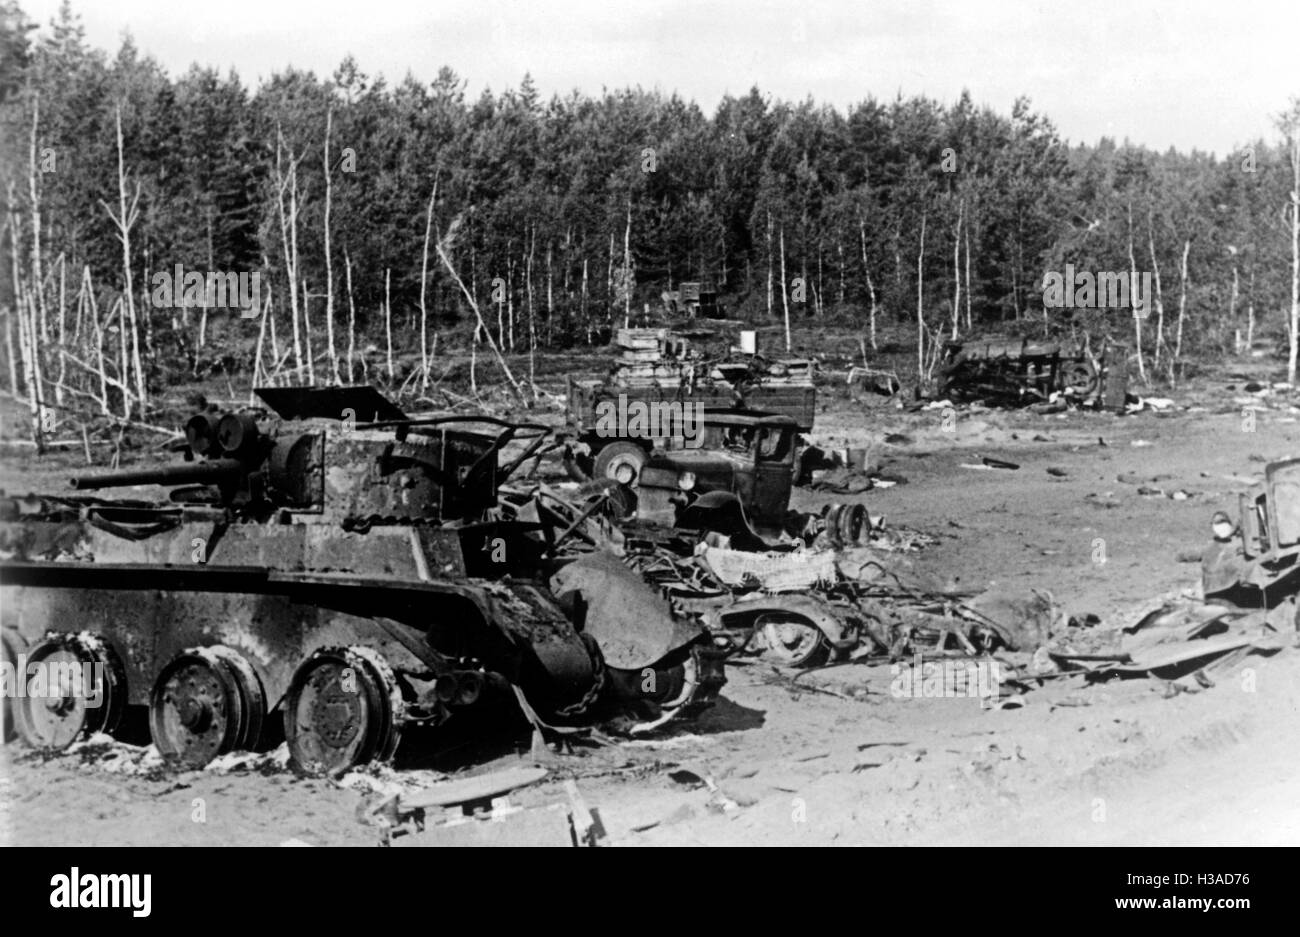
<point x="1253" y="562"/>
<point x="671" y="372"/>
<point x="1018" y="371"/>
<point x="337" y="564"/>
<point x="737" y="481"/>
<point x="736" y="484"/>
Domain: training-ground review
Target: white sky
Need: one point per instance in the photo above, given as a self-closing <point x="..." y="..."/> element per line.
<point x="1208" y="74"/>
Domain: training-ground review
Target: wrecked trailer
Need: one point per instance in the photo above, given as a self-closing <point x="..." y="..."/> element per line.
<point x="332" y="561"/>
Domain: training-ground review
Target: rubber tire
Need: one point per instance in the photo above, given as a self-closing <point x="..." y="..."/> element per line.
<point x="603" y="466"/>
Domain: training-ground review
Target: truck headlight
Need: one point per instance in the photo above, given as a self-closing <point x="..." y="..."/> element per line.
<point x="686" y="481"/>
<point x="1222" y="526"/>
<point x="624" y="474"/>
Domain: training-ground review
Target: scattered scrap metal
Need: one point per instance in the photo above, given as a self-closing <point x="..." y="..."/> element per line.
<point x="477" y="811"/>
<point x="847" y="591"/>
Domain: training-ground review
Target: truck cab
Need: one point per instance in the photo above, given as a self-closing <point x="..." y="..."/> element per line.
<point x="746" y="455"/>
<point x="1252" y="561"/>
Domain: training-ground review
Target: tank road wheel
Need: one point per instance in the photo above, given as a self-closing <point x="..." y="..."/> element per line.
<point x="341" y="710"/>
<point x="251" y="694"/>
<point x="13" y="645"/>
<point x="206" y="702"/>
<point x="620" y="461"/>
<point x="792" y="641"/>
<point x="75" y="686"/>
<point x="392" y="709"/>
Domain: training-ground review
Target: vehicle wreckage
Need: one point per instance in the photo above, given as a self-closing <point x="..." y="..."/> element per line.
<point x="670" y="372"/>
<point x="712" y="527"/>
<point x="344" y="565"/>
<point x="1249" y="601"/>
<point x="1013" y="372"/>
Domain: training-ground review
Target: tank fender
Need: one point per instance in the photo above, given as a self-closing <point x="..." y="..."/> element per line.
<point x="633" y="624"/>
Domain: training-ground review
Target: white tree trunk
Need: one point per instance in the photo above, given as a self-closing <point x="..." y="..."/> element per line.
<point x="424" y="281"/>
<point x="329" y="255"/>
<point x="920" y="306"/>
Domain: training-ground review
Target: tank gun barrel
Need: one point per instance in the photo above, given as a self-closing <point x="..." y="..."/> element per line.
<point x="212" y="471"/>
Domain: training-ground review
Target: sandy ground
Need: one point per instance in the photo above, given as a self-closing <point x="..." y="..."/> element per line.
<point x="1111" y="763"/>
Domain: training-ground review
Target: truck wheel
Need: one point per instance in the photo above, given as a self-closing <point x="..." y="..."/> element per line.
<point x="1081" y="377"/>
<point x="792" y="640"/>
<point x="614" y="458"/>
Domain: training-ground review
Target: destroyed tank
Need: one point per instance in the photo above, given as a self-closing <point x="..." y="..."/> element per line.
<point x="331" y="560"/>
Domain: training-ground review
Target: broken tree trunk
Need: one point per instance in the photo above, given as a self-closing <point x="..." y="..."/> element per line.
<point x="424" y="281"/>
<point x="388" y="320"/>
<point x="1137" y="320"/>
<point x="442" y="245"/>
<point x="329" y="256"/>
<point x="1182" y="306"/>
<point x="785" y="296"/>
<point x="956" y="269"/>
<point x="289" y="238"/>
<point x="1160" y="303"/>
<point x="352" y="319"/>
<point x="306" y="338"/>
<point x="920" y="309"/>
<point x="124" y="221"/>
<point x="871" y="287"/>
<point x="37" y="286"/>
<point x="627" y="267"/>
<point x="257" y="357"/>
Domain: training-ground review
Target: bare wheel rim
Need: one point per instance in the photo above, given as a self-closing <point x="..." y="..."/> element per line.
<point x="791" y="641"/>
<point x="334" y="713"/>
<point x="73" y="688"/>
<point x="196" y="710"/>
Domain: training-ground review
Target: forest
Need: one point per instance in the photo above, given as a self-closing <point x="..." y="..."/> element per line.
<point x="391" y="223"/>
